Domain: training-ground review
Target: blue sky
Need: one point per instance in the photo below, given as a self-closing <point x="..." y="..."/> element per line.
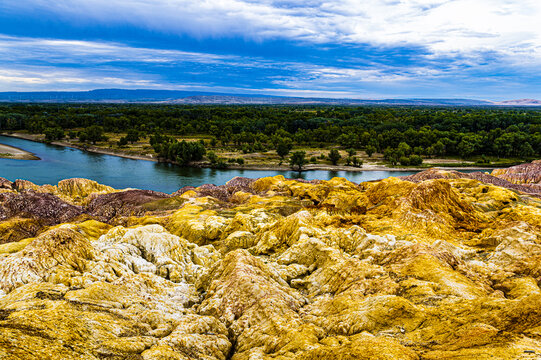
<point x="482" y="49"/>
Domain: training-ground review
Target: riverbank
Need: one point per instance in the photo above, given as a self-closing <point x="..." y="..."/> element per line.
<point x="12" y="152"/>
<point x="89" y="148"/>
<point x="367" y="166"/>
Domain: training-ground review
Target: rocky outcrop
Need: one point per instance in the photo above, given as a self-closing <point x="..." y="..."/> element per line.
<point x="27" y="209"/>
<point x="439" y="265"/>
<point x="122" y="204"/>
<point x="46" y="208"/>
<point x="521" y="174"/>
<point x="222" y="192"/>
<point x="5" y="184"/>
<point x="79" y="191"/>
<point x="498" y="177"/>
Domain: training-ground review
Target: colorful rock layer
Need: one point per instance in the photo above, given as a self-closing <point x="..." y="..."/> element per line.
<point x="440" y="265"/>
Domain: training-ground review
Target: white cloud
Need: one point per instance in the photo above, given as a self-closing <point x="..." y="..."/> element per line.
<point x="33" y="78"/>
<point x="314" y="81"/>
<point x="465" y="40"/>
<point x="22" y="49"/>
<point x="507" y="26"/>
<point x="51" y="78"/>
<point x="32" y="54"/>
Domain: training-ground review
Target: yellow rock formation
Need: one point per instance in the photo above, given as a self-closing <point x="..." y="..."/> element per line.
<point x="442" y="268"/>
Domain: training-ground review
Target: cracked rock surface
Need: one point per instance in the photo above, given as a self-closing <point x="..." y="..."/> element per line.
<point x="440" y="265"/>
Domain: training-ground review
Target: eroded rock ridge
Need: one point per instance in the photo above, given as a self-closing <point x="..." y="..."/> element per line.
<point x="440" y="265"/>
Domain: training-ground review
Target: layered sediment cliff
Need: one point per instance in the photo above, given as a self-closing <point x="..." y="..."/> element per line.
<point x="440" y="265"/>
<point x="521" y="174"/>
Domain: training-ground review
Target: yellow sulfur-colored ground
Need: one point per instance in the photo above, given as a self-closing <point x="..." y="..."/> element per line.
<point x="275" y="269"/>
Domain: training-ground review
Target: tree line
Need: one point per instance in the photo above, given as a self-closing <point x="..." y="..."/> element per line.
<point x="403" y="134"/>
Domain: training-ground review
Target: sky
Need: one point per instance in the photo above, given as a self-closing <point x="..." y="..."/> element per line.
<point x="364" y="49"/>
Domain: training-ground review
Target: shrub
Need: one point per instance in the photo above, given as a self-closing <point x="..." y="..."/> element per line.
<point x="123" y="141"/>
<point x="357" y="162"/>
<point x="404" y="160"/>
<point x="213" y="158"/>
<point x="415" y="160"/>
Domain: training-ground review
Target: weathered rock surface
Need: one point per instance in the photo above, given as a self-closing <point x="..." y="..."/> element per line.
<point x="440" y="265"/>
<point x="521" y="174"/>
<point x="30" y="204"/>
<point x="524" y="179"/>
<point x="122" y="204"/>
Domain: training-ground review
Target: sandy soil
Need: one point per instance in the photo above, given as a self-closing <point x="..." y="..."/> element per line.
<point x="89" y="148"/>
<point x="11" y="152"/>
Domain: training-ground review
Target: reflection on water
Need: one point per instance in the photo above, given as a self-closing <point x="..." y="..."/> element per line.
<point x="59" y="163"/>
<point x="333" y="173"/>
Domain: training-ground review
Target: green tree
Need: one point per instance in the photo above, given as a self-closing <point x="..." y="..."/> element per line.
<point x="182" y="152"/>
<point x="439" y="148"/>
<point x="123" y="141"/>
<point x="82" y="136"/>
<point x="217" y="162"/>
<point x="348" y="140"/>
<point x="392" y="155"/>
<point x="404" y="148"/>
<point x="52" y="134"/>
<point x="469" y="145"/>
<point x="213" y="158"/>
<point x="283" y="147"/>
<point x="503" y="145"/>
<point x="334" y="156"/>
<point x="357" y="162"/>
<point x="404" y="160"/>
<point x="526" y="149"/>
<point x="133" y="135"/>
<point x="298" y="160"/>
<point x="465" y="148"/>
<point x="187" y="152"/>
<point x="94" y="134"/>
<point x="415" y="160"/>
<point x="370" y="149"/>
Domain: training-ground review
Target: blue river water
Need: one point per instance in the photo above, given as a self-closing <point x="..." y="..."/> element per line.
<point x="59" y="163"/>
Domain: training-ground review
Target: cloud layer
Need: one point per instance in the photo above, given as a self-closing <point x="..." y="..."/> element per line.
<point x="350" y="47"/>
<point x="441" y="25"/>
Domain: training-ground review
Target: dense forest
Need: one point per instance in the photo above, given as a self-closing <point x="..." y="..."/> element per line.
<point x="397" y="132"/>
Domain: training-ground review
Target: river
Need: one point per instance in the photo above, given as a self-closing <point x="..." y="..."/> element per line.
<point x="58" y="162"/>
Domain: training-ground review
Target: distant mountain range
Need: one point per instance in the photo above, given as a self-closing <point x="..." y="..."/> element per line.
<point x="195" y="97"/>
<point x="521" y="102"/>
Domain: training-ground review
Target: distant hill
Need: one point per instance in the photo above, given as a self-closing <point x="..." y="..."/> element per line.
<point x="262" y="99"/>
<point x="521" y="102"/>
<point x="198" y="97"/>
<point x="100" y="95"/>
